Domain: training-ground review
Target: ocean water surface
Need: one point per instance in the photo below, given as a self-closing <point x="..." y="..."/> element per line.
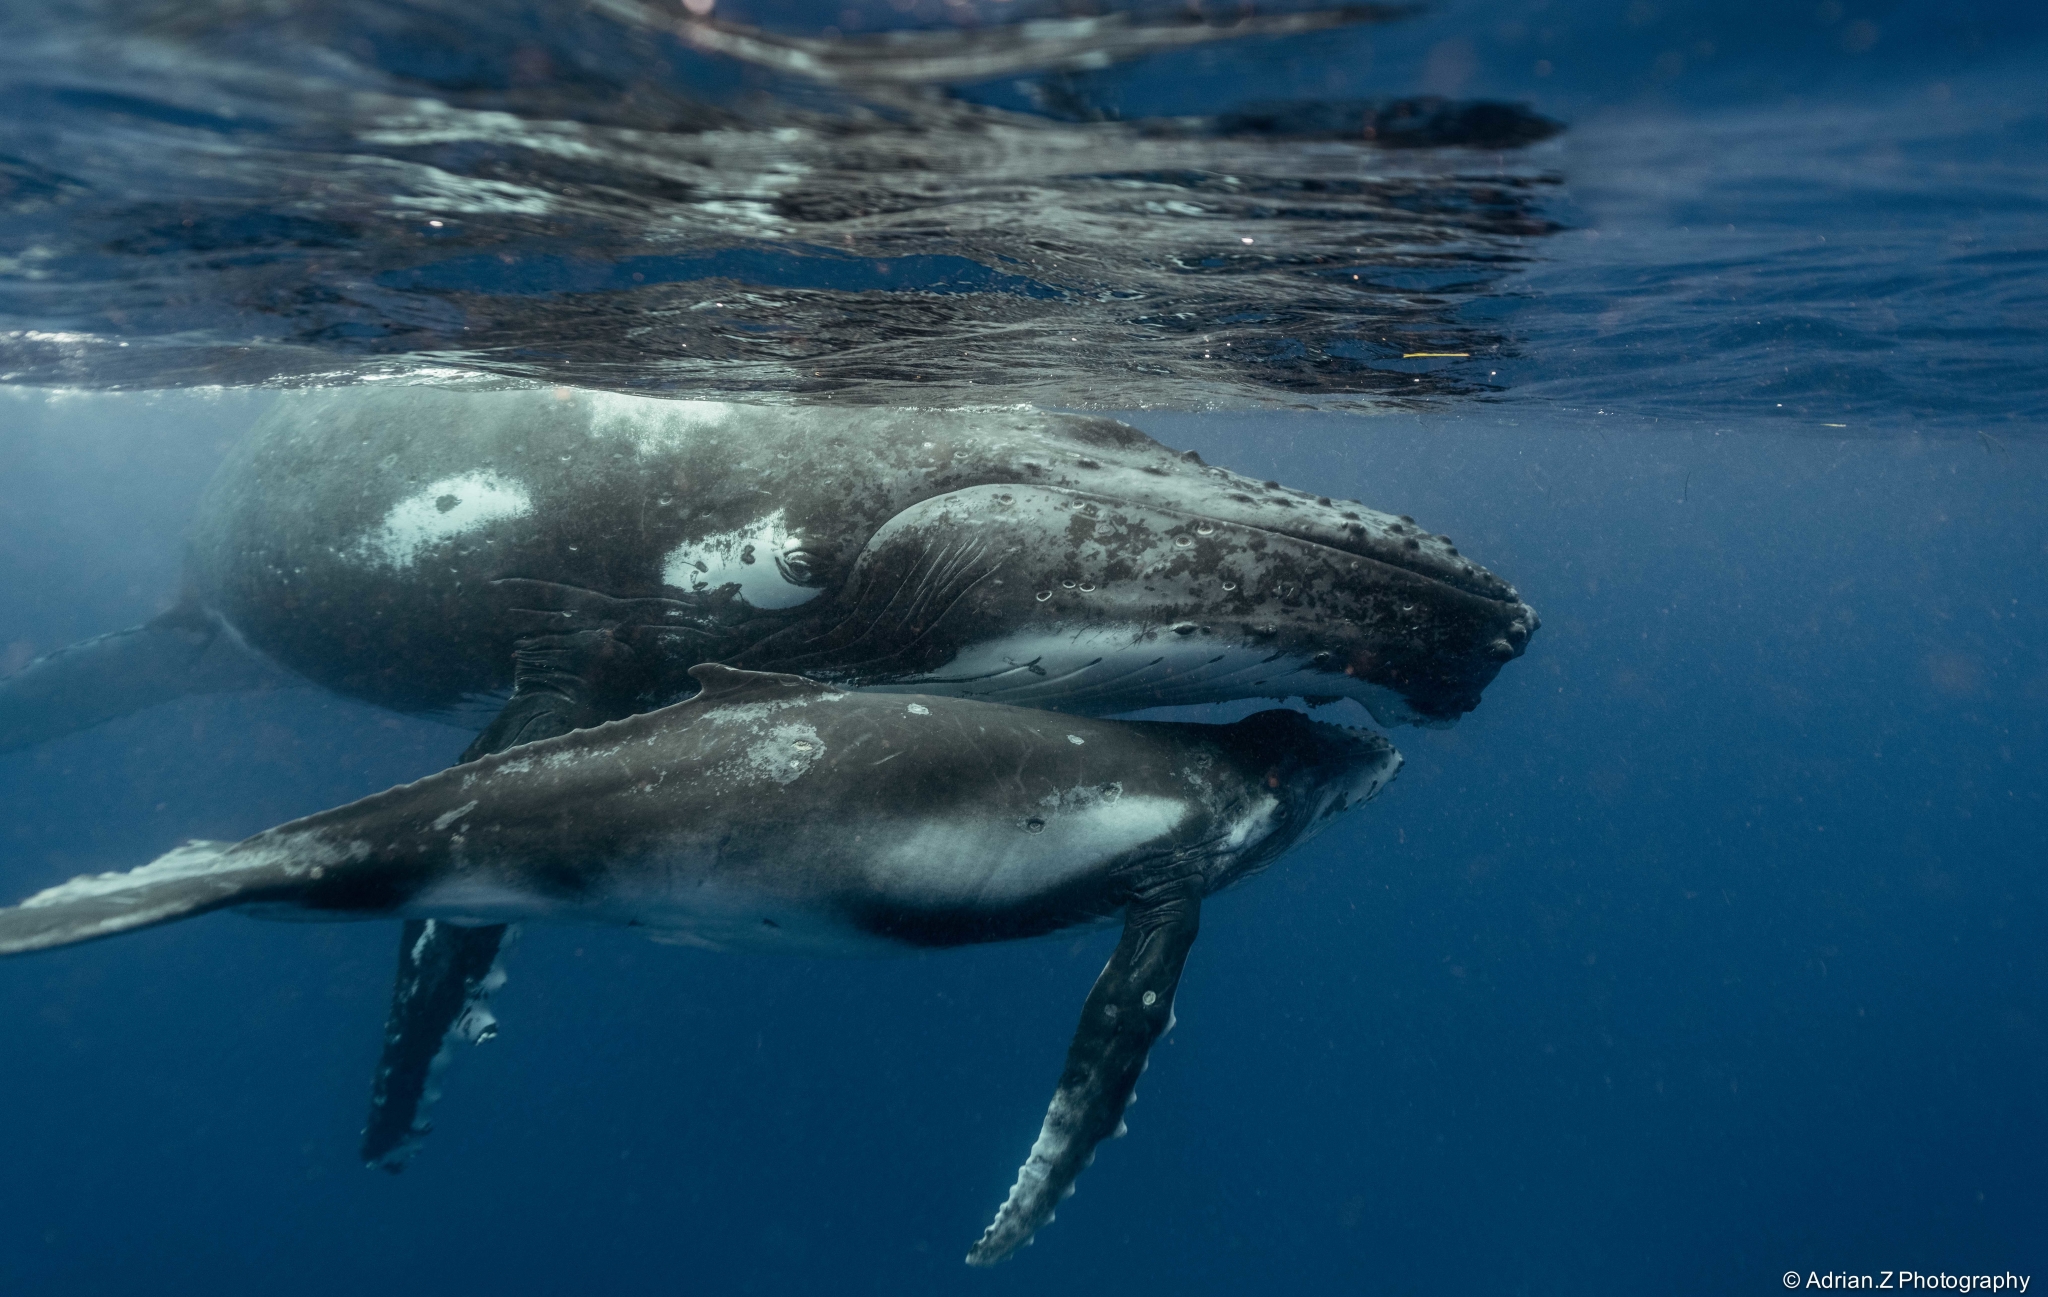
<point x="1708" y="949"/>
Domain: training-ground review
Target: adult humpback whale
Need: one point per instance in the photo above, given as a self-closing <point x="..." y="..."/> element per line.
<point x="427" y="549"/>
<point x="773" y="812"/>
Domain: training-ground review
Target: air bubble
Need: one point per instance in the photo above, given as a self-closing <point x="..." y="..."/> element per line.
<point x="1204" y="529"/>
<point x="1229" y="585"/>
<point x="1087" y="587"/>
<point x="1044" y="595"/>
<point x="1150" y="998"/>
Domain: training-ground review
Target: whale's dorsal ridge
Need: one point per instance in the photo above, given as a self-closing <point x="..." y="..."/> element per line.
<point x="721" y="683"/>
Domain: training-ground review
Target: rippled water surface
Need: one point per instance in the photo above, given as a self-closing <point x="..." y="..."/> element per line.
<point x="1746" y="212"/>
<point x="1704" y="957"/>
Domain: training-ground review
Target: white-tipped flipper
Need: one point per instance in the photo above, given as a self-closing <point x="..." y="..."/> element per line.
<point x="1129" y="1009"/>
<point x="190" y="880"/>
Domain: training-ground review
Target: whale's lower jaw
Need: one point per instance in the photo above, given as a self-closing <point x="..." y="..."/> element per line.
<point x="1106" y="671"/>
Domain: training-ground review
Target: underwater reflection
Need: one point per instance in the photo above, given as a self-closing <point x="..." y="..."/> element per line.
<point x="629" y="198"/>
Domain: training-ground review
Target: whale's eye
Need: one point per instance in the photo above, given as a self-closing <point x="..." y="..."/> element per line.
<point x="1034" y="825"/>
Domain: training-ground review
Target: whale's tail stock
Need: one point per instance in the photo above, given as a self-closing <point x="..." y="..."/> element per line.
<point x="185" y="651"/>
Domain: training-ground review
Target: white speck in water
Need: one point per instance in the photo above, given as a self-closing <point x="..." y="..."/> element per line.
<point x="919" y="709"/>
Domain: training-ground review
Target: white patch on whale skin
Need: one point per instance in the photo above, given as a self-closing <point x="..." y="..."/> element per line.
<point x="191" y="860"/>
<point x="1103" y="670"/>
<point x="782" y="754"/>
<point x="443" y="511"/>
<point x="296" y="853"/>
<point x="745" y="557"/>
<point x="653" y="425"/>
<point x="443" y="821"/>
<point x="1251" y="827"/>
<point x="1002" y="862"/>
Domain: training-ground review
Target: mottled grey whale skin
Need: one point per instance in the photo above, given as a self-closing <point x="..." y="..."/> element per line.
<point x="772" y="812"/>
<point x="426" y="549"/>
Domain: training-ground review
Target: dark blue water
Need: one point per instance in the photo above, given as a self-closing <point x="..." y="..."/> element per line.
<point x="1709" y="948"/>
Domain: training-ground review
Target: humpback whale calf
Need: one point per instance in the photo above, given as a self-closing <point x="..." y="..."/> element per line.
<point x="440" y="552"/>
<point x="773" y="812"/>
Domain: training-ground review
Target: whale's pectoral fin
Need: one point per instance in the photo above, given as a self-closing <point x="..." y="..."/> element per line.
<point x="446" y="972"/>
<point x="184" y="651"/>
<point x="446" y="975"/>
<point x="562" y="683"/>
<point x="586" y="657"/>
<point x="1129" y="1009"/>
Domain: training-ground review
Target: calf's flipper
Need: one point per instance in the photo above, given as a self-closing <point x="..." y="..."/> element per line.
<point x="1130" y="1008"/>
<point x="446" y="974"/>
